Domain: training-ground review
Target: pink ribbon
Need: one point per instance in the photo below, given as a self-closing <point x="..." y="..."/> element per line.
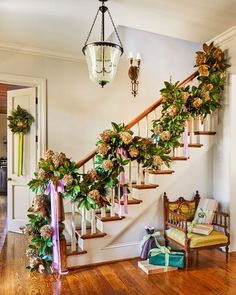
<point x="186" y="139"/>
<point x="54" y="222"/>
<point x="121" y="183"/>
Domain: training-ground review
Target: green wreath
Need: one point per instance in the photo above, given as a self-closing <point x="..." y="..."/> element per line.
<point x="20" y="122"/>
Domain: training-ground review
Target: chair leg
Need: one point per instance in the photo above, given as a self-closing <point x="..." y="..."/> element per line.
<point x="226" y="253"/>
<point x="186" y="259"/>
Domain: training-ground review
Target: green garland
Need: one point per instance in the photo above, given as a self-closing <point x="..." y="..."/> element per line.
<point x="117" y="147"/>
<point x="20" y="122"/>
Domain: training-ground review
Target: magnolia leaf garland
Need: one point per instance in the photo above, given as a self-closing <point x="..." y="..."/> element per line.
<point x="116" y="148"/>
<point x="20" y="122"/>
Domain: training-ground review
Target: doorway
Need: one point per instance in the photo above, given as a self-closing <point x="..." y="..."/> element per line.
<point x="11" y="195"/>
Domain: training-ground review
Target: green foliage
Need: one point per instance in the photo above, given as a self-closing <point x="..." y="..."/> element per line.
<point x="20" y="121"/>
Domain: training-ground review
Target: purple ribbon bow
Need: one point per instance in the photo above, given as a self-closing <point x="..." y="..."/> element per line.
<point x="54" y="222"/>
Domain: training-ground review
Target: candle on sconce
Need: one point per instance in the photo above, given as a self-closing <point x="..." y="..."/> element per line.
<point x="131" y="56"/>
<point x="138" y="56"/>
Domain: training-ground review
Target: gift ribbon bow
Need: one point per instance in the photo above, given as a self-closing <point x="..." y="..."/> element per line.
<point x="148" y="236"/>
<point x="161" y="250"/>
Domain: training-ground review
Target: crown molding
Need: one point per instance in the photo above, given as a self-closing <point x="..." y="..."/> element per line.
<point x="20" y="49"/>
<point x="225" y="37"/>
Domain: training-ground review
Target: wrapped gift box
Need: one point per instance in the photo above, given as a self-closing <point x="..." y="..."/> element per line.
<point x="153" y="269"/>
<point x="175" y="259"/>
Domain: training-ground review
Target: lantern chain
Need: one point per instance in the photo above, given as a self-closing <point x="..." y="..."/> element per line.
<point x="114" y="27"/>
<point x="90" y="31"/>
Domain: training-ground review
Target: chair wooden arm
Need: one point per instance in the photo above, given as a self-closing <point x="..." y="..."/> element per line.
<point x="176" y="220"/>
<point x="221" y="219"/>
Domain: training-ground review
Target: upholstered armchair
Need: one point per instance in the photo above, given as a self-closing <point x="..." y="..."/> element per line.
<point x="179" y="214"/>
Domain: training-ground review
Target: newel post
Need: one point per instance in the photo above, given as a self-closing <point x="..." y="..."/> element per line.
<point x="62" y="240"/>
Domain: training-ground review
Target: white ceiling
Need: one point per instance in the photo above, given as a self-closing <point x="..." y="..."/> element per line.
<point x="62" y="25"/>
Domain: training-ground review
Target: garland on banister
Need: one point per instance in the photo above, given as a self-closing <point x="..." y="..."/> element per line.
<point x="116" y="148"/>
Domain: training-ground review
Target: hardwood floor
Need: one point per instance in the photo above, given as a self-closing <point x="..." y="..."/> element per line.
<point x="208" y="275"/>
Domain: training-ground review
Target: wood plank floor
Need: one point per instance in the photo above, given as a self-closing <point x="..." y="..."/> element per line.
<point x="208" y="275"/>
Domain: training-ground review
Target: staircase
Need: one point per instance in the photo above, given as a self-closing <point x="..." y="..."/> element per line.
<point x="102" y="235"/>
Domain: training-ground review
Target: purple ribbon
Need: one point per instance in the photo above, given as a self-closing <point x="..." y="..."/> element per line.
<point x="121" y="183"/>
<point x="54" y="222"/>
<point x="186" y="139"/>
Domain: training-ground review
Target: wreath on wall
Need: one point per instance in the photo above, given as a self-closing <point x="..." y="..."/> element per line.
<point x="20" y="122"/>
<point x="116" y="148"/>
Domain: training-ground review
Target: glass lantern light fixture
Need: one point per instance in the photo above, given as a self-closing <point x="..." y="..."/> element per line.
<point x="102" y="57"/>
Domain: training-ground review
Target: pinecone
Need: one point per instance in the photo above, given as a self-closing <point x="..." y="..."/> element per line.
<point x="158" y="129"/>
<point x="134" y="152"/>
<point x="172" y="110"/>
<point x="185" y="96"/>
<point x="157" y="161"/>
<point x="35" y="261"/>
<point x="92" y="175"/>
<point x="106" y="135"/>
<point x="95" y="195"/>
<point x="107" y="164"/>
<point x="56" y="160"/>
<point x="203" y="70"/>
<point x="39" y="203"/>
<point x="31" y="253"/>
<point x="46" y="231"/>
<point x="67" y="180"/>
<point x="126" y="137"/>
<point x="103" y="148"/>
<point x="197" y="102"/>
<point x="48" y="155"/>
<point x="200" y="58"/>
<point x="165" y="135"/>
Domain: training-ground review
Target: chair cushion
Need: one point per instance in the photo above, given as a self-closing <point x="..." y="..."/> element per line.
<point x="187" y="209"/>
<point x="214" y="238"/>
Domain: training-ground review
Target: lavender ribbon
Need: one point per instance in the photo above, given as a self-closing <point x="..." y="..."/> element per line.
<point x="186" y="139"/>
<point x="54" y="222"/>
<point x="121" y="183"/>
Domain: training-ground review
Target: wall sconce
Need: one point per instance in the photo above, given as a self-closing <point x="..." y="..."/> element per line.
<point x="134" y="72"/>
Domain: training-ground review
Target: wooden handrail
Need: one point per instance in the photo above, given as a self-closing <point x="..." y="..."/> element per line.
<point x="140" y="117"/>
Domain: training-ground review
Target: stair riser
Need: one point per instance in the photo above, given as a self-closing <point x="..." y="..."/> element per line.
<point x="105" y="255"/>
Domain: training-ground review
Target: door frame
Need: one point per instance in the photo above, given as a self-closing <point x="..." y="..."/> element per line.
<point x="41" y="86"/>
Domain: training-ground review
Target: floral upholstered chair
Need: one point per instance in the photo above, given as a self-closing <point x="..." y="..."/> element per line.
<point x="179" y="215"/>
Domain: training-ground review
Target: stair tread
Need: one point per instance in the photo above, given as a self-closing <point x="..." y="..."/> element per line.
<point x="110" y="218"/>
<point x="204" y="132"/>
<point x="193" y="145"/>
<point x="130" y="202"/>
<point x="98" y="234"/>
<point x="180" y="158"/>
<point x="145" y="186"/>
<point x="78" y="251"/>
<point x="153" y="171"/>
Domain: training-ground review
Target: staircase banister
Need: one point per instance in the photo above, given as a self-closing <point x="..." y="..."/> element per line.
<point x="140" y="117"/>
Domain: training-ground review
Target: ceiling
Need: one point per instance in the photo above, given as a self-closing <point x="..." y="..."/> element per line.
<point x="62" y="25"/>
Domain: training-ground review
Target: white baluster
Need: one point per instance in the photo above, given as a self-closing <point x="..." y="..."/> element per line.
<point x="146" y="176"/>
<point x="103" y="212"/>
<point x="73" y="236"/>
<point x="112" y="213"/>
<point x="147" y="126"/>
<point x="139" y="178"/>
<point x="93" y="222"/>
<point x="83" y="222"/>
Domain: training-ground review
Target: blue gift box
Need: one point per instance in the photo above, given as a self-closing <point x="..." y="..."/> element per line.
<point x="167" y="257"/>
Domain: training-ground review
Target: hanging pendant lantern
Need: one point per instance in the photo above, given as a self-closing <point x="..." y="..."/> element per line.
<point x="102" y="57"/>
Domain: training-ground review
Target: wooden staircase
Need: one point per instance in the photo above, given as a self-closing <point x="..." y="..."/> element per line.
<point x="91" y="240"/>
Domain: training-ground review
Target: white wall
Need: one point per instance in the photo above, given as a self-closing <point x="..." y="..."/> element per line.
<point x="3" y="132"/>
<point x="224" y="162"/>
<point x="78" y="110"/>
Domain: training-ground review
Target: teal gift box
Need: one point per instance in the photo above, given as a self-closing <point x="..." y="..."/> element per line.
<point x="167" y="258"/>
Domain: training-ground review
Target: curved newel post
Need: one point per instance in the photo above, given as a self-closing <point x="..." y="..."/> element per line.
<point x="62" y="240"/>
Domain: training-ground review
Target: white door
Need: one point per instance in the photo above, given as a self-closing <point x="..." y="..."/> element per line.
<point x="19" y="195"/>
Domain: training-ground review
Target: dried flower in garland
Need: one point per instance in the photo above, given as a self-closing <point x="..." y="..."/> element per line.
<point x="20" y="122"/>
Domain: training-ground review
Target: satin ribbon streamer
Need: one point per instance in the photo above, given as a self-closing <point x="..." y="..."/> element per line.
<point x="186" y="139"/>
<point x="54" y="222"/>
<point x="121" y="183"/>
